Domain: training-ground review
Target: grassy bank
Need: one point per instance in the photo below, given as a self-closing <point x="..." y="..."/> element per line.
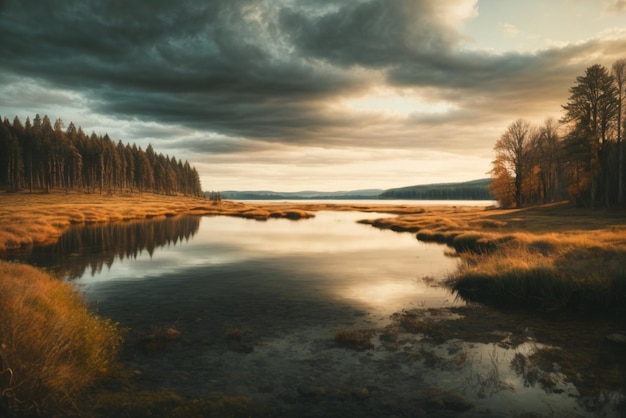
<point x="575" y="278"/>
<point x="549" y="258"/>
<point x="51" y="347"/>
<point x="39" y="218"/>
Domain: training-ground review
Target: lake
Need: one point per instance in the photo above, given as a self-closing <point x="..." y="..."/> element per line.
<point x="389" y="202"/>
<point x="253" y="309"/>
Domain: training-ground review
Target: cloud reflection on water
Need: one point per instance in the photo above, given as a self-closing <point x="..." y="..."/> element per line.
<point x="295" y="282"/>
<point x="330" y="253"/>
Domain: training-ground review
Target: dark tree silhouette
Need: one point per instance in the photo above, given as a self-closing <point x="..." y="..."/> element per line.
<point x="43" y="156"/>
<point x="585" y="163"/>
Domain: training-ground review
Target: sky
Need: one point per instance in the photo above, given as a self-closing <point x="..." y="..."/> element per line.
<point x="291" y="95"/>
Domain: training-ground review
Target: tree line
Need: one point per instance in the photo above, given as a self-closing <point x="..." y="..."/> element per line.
<point x="580" y="157"/>
<point x="38" y="155"/>
<point x="470" y="190"/>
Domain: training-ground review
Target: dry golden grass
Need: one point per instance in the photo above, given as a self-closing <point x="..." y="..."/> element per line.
<point x="51" y="347"/>
<point x="575" y="241"/>
<point x="39" y="219"/>
<point x="549" y="257"/>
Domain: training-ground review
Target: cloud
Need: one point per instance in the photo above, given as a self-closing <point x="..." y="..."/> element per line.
<point x="227" y="77"/>
<point x="616" y="6"/>
<point x="377" y="33"/>
<point x="508" y="29"/>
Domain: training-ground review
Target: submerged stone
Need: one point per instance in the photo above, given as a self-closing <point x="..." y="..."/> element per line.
<point x="309" y="391"/>
<point x="617" y="337"/>
<point x="436" y="399"/>
<point x="455" y="402"/>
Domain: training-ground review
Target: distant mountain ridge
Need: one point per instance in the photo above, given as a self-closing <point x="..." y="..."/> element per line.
<point x="469" y="190"/>
<point x="305" y="194"/>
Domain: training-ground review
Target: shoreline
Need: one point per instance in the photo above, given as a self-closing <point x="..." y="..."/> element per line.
<point x="549" y="258"/>
<point x="39" y="219"/>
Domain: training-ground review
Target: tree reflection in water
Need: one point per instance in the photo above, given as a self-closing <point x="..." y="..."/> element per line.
<point x="94" y="246"/>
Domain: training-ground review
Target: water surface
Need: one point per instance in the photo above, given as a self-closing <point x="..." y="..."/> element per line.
<point x="257" y="305"/>
<point x="327" y="259"/>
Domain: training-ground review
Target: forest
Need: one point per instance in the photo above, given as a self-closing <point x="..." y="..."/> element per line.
<point x="579" y="158"/>
<point x="469" y="190"/>
<point x="38" y="155"/>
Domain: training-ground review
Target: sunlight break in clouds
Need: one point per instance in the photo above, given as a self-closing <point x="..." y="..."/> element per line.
<point x="461" y="10"/>
<point x="396" y="103"/>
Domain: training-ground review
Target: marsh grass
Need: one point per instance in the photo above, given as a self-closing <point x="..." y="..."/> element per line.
<point x="158" y="338"/>
<point x="415" y="325"/>
<point x="51" y="347"/>
<point x="237" y="333"/>
<point x="356" y="339"/>
<point x="28" y="220"/>
<point x="543" y="276"/>
<point x="551" y="257"/>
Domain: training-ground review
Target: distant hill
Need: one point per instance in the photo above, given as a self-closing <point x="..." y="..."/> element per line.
<point x="469" y="190"/>
<point x="303" y="195"/>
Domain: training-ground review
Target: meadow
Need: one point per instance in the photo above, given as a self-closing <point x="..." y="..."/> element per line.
<point x="40" y="218"/>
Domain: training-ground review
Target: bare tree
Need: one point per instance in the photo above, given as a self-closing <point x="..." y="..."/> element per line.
<point x="513" y="153"/>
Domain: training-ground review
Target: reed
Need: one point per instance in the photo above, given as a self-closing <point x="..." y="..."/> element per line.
<point x="51" y="347"/>
<point x="356" y="339"/>
<point x="538" y="277"/>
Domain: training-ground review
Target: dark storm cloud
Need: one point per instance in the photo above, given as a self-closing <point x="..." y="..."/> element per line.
<point x="212" y="65"/>
<point x="481" y="71"/>
<point x="171" y="47"/>
<point x="258" y="69"/>
<point x="376" y="33"/>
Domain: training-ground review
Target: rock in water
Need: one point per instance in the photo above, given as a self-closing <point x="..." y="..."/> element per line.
<point x="617" y="337"/>
<point x="456" y="402"/>
<point x="309" y="391"/>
